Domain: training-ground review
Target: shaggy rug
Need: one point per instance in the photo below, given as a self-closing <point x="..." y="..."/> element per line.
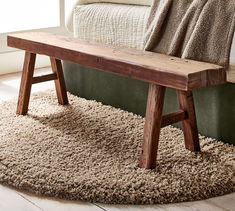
<point x="90" y="151"/>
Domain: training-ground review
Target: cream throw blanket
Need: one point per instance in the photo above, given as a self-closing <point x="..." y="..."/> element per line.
<point x="195" y="29"/>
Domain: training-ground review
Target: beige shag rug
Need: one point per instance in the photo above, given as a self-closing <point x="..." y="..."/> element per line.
<point x="90" y="151"/>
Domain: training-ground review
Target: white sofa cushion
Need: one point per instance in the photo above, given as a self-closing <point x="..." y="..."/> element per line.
<point x="136" y="2"/>
<point x="111" y="24"/>
<point x="70" y="6"/>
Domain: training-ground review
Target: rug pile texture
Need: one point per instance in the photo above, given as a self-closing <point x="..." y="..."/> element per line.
<point x="90" y="151"/>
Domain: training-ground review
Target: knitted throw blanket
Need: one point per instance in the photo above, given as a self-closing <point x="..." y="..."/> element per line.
<point x="194" y="29"/>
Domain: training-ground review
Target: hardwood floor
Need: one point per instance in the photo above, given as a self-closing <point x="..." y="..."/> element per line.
<point x="13" y="200"/>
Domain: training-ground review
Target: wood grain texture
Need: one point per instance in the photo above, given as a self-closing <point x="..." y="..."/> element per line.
<point x="44" y="78"/>
<point x="146" y="66"/>
<point x="190" y="124"/>
<point x="26" y="83"/>
<point x="173" y="118"/>
<point x="152" y="126"/>
<point x="59" y="82"/>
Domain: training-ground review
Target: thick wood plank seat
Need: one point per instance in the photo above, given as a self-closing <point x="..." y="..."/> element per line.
<point x="160" y="71"/>
<point x="146" y="66"/>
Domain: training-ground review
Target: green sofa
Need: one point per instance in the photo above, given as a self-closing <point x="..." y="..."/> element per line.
<point x="215" y="106"/>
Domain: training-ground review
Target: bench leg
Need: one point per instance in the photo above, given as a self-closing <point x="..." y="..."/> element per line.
<point x="28" y="80"/>
<point x="152" y="126"/>
<point x="190" y="124"/>
<point x="26" y="83"/>
<point x="59" y="82"/>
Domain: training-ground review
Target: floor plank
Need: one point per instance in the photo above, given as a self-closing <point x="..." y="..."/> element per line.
<point x="10" y="200"/>
<point x="50" y="204"/>
<point x="193" y="206"/>
<point x="226" y="202"/>
<point x="223" y="203"/>
<point x="9" y="84"/>
<point x="110" y="207"/>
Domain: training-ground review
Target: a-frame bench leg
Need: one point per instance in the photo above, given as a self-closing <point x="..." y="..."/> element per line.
<point x="190" y="124"/>
<point x="26" y="83"/>
<point x="28" y="80"/>
<point x="59" y="82"/>
<point x="152" y="126"/>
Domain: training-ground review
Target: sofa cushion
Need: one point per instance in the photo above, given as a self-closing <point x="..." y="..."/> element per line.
<point x="111" y="24"/>
<point x="137" y="2"/>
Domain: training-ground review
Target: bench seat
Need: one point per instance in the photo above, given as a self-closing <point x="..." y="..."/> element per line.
<point x="150" y="67"/>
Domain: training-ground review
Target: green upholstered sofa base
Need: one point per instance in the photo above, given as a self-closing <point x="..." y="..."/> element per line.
<point x="215" y="106"/>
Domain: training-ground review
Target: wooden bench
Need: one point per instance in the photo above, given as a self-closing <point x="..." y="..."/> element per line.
<point x="160" y="71"/>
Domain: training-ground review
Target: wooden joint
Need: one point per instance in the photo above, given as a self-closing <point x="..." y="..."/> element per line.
<point x="44" y="78"/>
<point x="173" y="118"/>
